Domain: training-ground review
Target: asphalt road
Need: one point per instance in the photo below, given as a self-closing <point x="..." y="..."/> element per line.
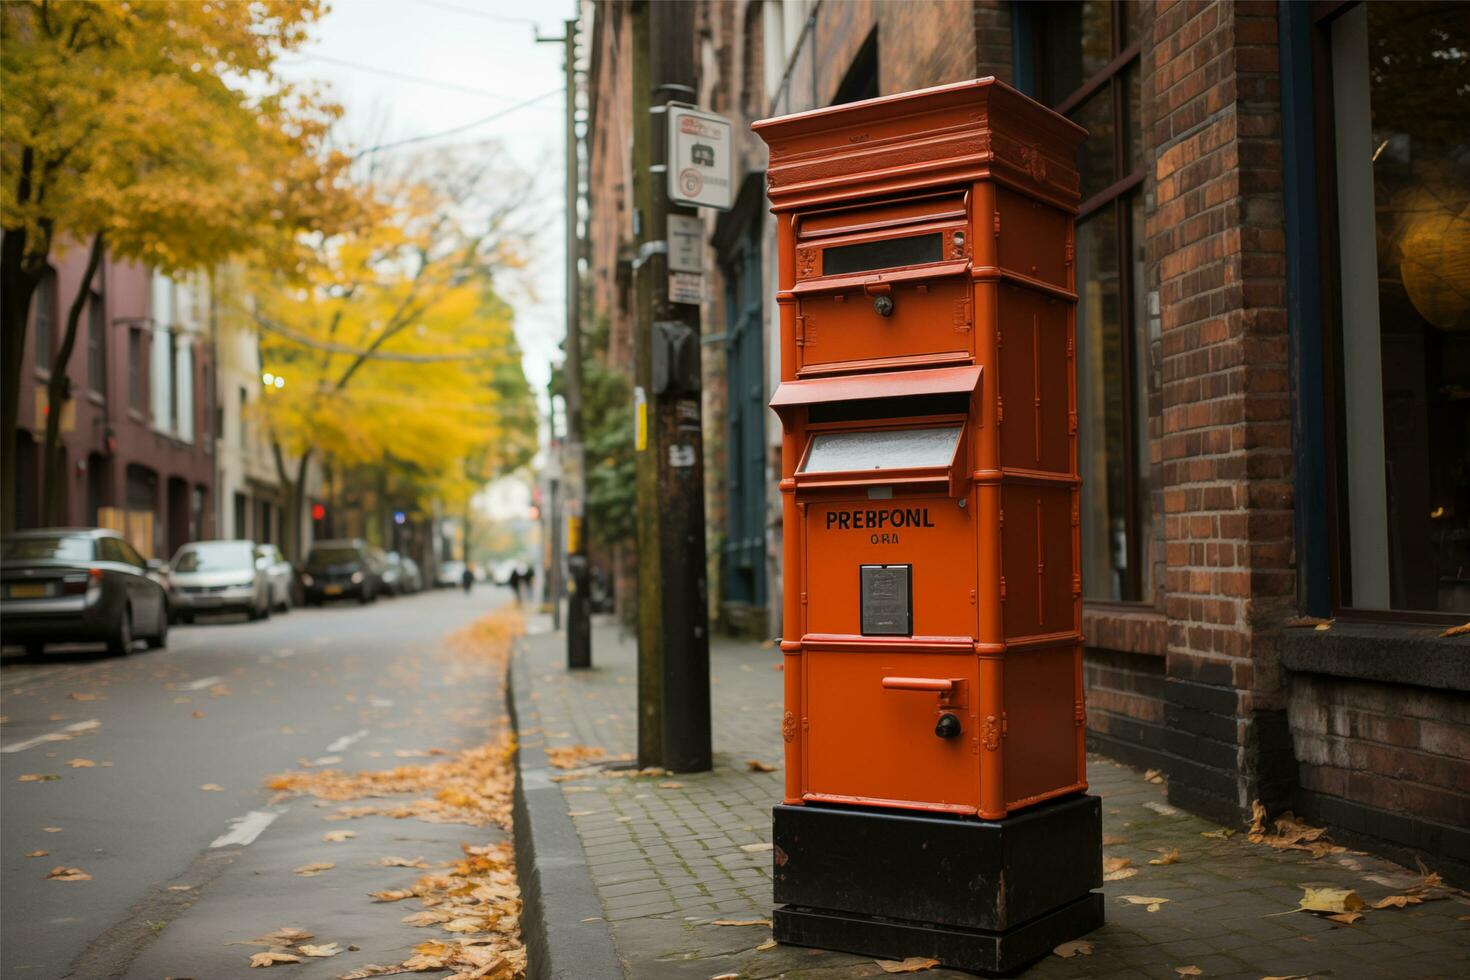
<point x="177" y="870"/>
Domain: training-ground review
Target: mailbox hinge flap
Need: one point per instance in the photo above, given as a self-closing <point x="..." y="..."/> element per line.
<point x="801" y="330"/>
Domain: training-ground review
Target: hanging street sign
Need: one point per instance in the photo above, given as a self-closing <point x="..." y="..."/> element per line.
<point x="701" y="158"/>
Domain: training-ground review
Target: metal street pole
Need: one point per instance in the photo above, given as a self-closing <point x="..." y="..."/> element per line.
<point x="574" y="483"/>
<point x="673" y="618"/>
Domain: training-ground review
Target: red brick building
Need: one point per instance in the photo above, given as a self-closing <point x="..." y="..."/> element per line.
<point x="137" y="434"/>
<point x="1273" y="277"/>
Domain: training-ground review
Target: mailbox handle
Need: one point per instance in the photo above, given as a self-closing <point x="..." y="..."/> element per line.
<point x="936" y="684"/>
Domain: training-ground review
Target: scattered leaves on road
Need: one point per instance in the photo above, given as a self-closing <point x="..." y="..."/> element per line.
<point x="742" y="922"/>
<point x="1075" y="947"/>
<point x="284" y="936"/>
<point x="314" y="868"/>
<point x="81" y="763"/>
<point x="914" y="964"/>
<point x="62" y="873"/>
<point x="1115" y="864"/>
<point x="1167" y="856"/>
<point x="1155" y="776"/>
<point x="1397" y="901"/>
<point x="37" y="777"/>
<point x="38" y="854"/>
<point x="756" y="765"/>
<point x="373" y="970"/>
<point x="338" y="836"/>
<point x="1189" y="971"/>
<point x="392" y="895"/>
<point x="1289" y="834"/>
<point x="1152" y="904"/>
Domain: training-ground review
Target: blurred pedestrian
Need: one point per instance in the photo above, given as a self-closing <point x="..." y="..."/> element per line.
<point x="468" y="578"/>
<point x="516" y="583"/>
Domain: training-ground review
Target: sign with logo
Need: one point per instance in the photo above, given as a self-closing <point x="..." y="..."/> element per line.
<point x="701" y="158"/>
<point x="686" y="243"/>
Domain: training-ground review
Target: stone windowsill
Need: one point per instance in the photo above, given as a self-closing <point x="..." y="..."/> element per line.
<point x="1128" y="628"/>
<point x="1389" y="653"/>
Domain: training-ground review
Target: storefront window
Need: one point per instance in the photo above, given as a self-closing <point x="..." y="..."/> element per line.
<point x="1399" y="106"/>
<point x="1088" y="68"/>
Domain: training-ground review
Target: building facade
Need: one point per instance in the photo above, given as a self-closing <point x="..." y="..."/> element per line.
<point x="1272" y="264"/>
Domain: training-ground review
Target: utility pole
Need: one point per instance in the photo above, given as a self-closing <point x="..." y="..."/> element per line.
<point x="573" y="478"/>
<point x="673" y="617"/>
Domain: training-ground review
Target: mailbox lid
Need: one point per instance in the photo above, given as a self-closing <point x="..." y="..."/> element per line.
<point x="871" y="744"/>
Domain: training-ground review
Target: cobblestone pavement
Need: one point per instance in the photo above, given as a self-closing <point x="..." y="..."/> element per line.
<point x="669" y="856"/>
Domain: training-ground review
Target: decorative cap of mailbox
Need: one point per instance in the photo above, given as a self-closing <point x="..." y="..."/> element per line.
<point x="932" y="610"/>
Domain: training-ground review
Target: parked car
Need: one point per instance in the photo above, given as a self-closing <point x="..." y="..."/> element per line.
<point x="219" y="577"/>
<point x="341" y="569"/>
<point x="392" y="573"/>
<point x="79" y="585"/>
<point x="278" y="572"/>
<point x="413" y="576"/>
<point x="450" y="574"/>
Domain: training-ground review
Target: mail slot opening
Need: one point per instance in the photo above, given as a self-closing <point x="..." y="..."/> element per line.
<point x="885" y="253"/>
<point x="882" y="449"/>
<point x="903" y="406"/>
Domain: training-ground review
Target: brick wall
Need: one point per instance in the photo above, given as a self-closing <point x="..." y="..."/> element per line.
<point x="1215" y="255"/>
<point x="1386" y="761"/>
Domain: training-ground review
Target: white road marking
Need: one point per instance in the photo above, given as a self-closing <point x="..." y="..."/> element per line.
<point x="198" y="685"/>
<point x="346" y="740"/>
<point x="62" y="735"/>
<point x="244" y="830"/>
<point x="326" y="760"/>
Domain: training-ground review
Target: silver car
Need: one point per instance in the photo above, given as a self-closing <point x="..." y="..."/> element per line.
<point x="216" y="577"/>
<point x="279" y="573"/>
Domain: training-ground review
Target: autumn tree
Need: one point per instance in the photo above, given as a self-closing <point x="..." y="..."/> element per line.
<point x="395" y="347"/>
<point x="155" y="132"/>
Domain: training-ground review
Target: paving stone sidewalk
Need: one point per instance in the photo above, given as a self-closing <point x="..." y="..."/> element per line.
<point x="669" y="856"/>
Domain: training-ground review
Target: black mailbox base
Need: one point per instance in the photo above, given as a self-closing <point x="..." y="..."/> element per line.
<point x="984" y="896"/>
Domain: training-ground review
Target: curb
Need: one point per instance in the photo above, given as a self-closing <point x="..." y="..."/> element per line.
<point x="557" y="893"/>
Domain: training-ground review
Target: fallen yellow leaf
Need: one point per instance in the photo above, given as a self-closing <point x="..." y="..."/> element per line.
<point x="271" y="958"/>
<point x="322" y="951"/>
<point x="1224" y="833"/>
<point x="424" y="918"/>
<point x="401" y="862"/>
<point x="38" y="854"/>
<point x="314" y="868"/>
<point x="1155" y="776"/>
<point x="212" y="788"/>
<point x="1111" y="839"/>
<point x="61" y="873"/>
<point x="78" y="696"/>
<point x="755" y="848"/>
<point x="1462" y="630"/>
<point x="756" y="765"/>
<point x="392" y="895"/>
<point x="284" y="936"/>
<point x="1330" y="900"/>
<point x="742" y="922"/>
<point x="1076" y="947"/>
<point x="52" y="830"/>
<point x="1189" y="971"/>
<point x="914" y="964"/>
<point x="1397" y="901"/>
<point x="37" y="777"/>
<point x="1346" y="918"/>
<point x="1122" y="874"/>
<point x="1114" y="864"/>
<point x="768" y="944"/>
<point x="1152" y="903"/>
<point x="81" y="763"/>
<point x="671" y="785"/>
<point x="337" y="836"/>
<point x="1171" y="856"/>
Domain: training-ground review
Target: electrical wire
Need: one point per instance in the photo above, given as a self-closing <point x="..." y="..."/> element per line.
<point x="456" y="8"/>
<point x="404" y="76"/>
<point x="457" y="129"/>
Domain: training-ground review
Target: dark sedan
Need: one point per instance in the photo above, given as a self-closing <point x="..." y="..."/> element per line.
<point x="78" y="585"/>
<point x="341" y="569"/>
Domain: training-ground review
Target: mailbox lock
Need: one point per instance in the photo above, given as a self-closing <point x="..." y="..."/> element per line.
<point x="948" y="726"/>
<point x="882" y="294"/>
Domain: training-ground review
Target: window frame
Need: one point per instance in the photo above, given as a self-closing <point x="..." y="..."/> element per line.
<point x="1119" y="196"/>
<point x="96" y="343"/>
<point x="1329" y="285"/>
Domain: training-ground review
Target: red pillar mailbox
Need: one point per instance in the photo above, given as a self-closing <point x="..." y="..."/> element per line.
<point x="933" y="719"/>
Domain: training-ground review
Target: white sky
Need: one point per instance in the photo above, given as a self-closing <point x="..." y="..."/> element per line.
<point x="484" y="54"/>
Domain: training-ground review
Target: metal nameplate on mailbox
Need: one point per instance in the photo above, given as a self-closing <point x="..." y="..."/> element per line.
<point x="887" y="600"/>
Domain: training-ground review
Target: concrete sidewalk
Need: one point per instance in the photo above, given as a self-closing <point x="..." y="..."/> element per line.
<point x="663" y="858"/>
